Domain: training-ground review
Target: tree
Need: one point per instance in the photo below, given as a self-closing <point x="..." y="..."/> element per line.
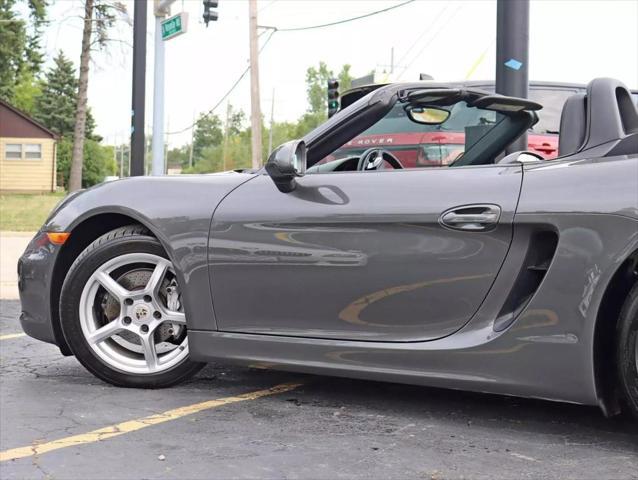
<point x="26" y="91"/>
<point x="99" y="16"/>
<point x="56" y="98"/>
<point x="317" y="93"/>
<point x="208" y="133"/>
<point x="178" y="156"/>
<point x="98" y="161"/>
<point x="20" y="51"/>
<point x="55" y="107"/>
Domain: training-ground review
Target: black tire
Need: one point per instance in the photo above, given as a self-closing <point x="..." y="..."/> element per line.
<point x="627" y="352"/>
<point x="128" y="239"/>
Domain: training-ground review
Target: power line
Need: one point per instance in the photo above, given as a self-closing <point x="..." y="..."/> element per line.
<point x="266" y="6"/>
<point x="431" y="39"/>
<point x="293" y="29"/>
<point x="338" y="22"/>
<point x="422" y="34"/>
<point x="225" y="96"/>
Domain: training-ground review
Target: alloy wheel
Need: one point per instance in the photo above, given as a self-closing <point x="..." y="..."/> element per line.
<point x="131" y="314"/>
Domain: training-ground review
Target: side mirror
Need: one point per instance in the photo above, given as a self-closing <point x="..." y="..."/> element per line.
<point x="427" y="115"/>
<point x="287" y="162"/>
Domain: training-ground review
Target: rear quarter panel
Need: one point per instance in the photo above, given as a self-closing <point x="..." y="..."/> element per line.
<point x="593" y="205"/>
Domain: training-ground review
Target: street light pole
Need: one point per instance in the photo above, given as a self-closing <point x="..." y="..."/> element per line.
<point x="512" y="52"/>
<point x="136" y="153"/>
<point x="255" y="111"/>
<point x="158" y="101"/>
<point x="157" y="166"/>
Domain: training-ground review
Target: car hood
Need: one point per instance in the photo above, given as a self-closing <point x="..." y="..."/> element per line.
<point x="147" y="199"/>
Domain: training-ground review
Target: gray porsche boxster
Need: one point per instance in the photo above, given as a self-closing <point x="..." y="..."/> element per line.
<point x="498" y="273"/>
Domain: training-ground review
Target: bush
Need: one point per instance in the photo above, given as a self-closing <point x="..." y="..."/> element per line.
<point x="98" y="161"/>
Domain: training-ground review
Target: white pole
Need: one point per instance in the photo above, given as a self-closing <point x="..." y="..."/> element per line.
<point x="158" y="100"/>
<point x="272" y="121"/>
<point x="255" y="110"/>
<point x="121" y="149"/>
<point x="190" y="154"/>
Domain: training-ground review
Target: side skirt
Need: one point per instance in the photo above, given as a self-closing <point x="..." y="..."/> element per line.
<point x="409" y="363"/>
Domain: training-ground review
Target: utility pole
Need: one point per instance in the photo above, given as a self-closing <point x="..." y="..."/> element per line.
<point x="190" y="154"/>
<point x="512" y="52"/>
<point x="121" y="149"/>
<point x="165" y="145"/>
<point x="115" y="153"/>
<point x="136" y="158"/>
<point x="226" y="134"/>
<point x="255" y="111"/>
<point x="391" y="60"/>
<point x="147" y="154"/>
<point x="272" y="121"/>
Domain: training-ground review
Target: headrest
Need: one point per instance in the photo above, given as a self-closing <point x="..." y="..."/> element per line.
<point x="604" y="116"/>
<point x="611" y="111"/>
<point x="573" y="125"/>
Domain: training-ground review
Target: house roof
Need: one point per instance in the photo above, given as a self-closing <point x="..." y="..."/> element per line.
<point x="26" y="117"/>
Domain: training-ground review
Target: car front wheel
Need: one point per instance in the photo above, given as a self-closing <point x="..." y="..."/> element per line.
<point x="121" y="312"/>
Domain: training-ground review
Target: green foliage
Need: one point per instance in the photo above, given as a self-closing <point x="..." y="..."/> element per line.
<point x="20" y="50"/>
<point x="55" y="107"/>
<point x="12" y="46"/>
<point x="26" y="91"/>
<point x="178" y="157"/>
<point x="98" y="162"/>
<point x="105" y="13"/>
<point x="208" y="133"/>
<point x="217" y="153"/>
<point x="55" y="104"/>
<point x="317" y="86"/>
<point x="317" y="92"/>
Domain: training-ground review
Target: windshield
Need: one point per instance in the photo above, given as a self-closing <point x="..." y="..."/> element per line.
<point x="419" y="145"/>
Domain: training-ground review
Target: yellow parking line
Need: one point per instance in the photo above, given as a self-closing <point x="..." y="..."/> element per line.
<point x="133" y="425"/>
<point x="12" y="335"/>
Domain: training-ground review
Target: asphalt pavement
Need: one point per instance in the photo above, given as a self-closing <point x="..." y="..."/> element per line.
<point x="216" y="426"/>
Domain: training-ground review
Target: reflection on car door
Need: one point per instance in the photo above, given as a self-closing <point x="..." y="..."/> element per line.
<point x="361" y="256"/>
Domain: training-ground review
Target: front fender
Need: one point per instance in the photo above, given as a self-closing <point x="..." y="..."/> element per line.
<point x="177" y="210"/>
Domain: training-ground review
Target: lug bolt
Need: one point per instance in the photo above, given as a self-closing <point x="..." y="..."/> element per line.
<point x="147" y="298"/>
<point x="144" y="328"/>
<point x="126" y="320"/>
<point x="157" y="314"/>
<point x="128" y="301"/>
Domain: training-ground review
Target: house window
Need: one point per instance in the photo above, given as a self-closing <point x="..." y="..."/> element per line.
<point x="33" y="151"/>
<point x="13" y="151"/>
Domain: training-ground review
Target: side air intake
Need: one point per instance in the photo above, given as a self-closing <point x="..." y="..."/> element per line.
<point x="540" y="252"/>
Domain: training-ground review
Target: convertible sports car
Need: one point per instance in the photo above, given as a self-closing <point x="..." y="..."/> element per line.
<point x="498" y="273"/>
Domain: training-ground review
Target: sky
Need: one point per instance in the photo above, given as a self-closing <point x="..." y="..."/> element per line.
<point x="570" y="40"/>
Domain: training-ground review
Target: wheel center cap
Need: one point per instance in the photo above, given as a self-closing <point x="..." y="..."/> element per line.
<point x="141" y="312"/>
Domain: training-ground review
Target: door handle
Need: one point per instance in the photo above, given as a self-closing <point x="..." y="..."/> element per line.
<point x="471" y="217"/>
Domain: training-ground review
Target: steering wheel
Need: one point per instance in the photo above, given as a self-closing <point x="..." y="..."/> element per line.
<point x="373" y="159"/>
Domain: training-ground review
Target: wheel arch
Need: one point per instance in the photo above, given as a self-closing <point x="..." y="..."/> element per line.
<point x="625" y="277"/>
<point x="82" y="235"/>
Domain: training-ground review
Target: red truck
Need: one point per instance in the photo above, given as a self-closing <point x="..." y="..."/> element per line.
<point x="417" y="145"/>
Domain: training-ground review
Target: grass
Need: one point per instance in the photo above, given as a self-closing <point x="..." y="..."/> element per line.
<point x="26" y="212"/>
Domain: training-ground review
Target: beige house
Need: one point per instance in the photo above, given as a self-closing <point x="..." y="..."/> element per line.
<point x="27" y="153"/>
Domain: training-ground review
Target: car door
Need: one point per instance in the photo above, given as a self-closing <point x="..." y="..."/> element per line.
<point x="391" y="255"/>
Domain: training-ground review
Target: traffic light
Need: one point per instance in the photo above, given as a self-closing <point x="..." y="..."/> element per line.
<point x="333" y="97"/>
<point x="210" y="15"/>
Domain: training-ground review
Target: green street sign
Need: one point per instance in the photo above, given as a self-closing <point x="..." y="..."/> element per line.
<point x="174" y="26"/>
